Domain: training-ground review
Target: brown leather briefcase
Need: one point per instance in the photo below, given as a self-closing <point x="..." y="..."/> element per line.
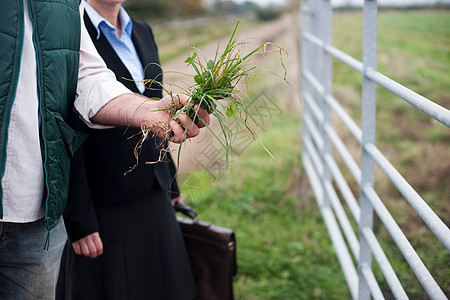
<point x="212" y="254"/>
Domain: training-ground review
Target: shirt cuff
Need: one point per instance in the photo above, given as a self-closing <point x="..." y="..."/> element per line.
<point x="100" y="93"/>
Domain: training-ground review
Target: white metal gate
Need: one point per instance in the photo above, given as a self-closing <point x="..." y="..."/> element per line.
<point x="319" y="137"/>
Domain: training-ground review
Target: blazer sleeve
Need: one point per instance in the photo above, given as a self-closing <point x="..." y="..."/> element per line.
<point x="79" y="216"/>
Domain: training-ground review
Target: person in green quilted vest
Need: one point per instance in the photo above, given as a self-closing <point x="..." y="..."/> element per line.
<point x="49" y="66"/>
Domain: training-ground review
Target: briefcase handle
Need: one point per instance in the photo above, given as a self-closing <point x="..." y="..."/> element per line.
<point x="185" y="210"/>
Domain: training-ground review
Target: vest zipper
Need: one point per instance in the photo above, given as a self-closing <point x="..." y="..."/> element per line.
<point x="37" y="48"/>
<point x="10" y="101"/>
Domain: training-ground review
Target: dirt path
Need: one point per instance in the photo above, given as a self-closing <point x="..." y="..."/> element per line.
<point x="283" y="32"/>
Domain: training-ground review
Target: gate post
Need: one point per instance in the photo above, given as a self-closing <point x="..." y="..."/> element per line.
<point x="322" y="69"/>
<point x="368" y="117"/>
<point x="325" y="74"/>
<point x="306" y="62"/>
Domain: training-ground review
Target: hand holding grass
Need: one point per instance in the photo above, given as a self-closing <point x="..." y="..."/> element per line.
<point x="153" y="115"/>
<point x="178" y="117"/>
<point x="179" y="128"/>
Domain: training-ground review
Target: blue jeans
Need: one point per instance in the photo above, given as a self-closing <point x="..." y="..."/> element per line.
<point x="27" y="271"/>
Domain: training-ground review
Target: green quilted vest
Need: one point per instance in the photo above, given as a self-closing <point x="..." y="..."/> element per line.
<point x="56" y="37"/>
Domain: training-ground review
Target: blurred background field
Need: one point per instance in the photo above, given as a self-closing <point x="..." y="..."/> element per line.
<point x="284" y="251"/>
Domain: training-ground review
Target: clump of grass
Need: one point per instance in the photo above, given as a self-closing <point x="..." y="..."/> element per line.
<point x="216" y="88"/>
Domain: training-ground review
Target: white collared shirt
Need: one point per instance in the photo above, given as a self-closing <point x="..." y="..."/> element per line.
<point x="23" y="179"/>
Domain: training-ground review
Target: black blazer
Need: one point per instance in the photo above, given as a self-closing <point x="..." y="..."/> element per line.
<point x="97" y="173"/>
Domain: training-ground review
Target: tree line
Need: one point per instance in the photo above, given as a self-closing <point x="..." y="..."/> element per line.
<point x="164" y="8"/>
<point x="146" y="9"/>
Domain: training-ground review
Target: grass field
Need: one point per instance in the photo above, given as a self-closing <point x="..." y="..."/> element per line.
<point x="284" y="251"/>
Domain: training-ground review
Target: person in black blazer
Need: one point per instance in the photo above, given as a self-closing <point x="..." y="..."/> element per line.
<point x="124" y="240"/>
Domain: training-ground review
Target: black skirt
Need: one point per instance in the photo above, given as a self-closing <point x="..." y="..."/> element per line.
<point x="144" y="256"/>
